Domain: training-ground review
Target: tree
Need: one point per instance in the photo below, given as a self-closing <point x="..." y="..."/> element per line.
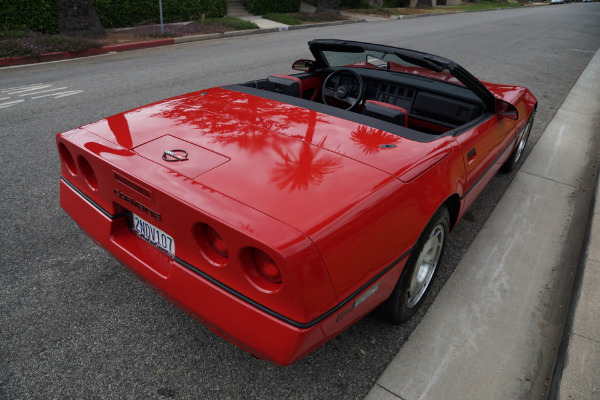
<point x="424" y="4"/>
<point x="79" y="18"/>
<point x="329" y="6"/>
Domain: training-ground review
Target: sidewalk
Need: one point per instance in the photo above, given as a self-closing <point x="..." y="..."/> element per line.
<point x="265" y="23"/>
<point x="493" y="329"/>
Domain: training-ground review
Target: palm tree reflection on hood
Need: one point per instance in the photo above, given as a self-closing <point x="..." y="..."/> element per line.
<point x="309" y="167"/>
<point x="371" y="139"/>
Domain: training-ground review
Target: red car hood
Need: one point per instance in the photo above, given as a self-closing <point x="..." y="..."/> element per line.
<point x="272" y="156"/>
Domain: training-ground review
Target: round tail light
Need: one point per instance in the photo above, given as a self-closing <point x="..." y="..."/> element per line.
<point x="212" y="244"/>
<point x="88" y="173"/>
<point x="67" y="159"/>
<point x="216" y="242"/>
<point x="266" y="266"/>
<point x="261" y="270"/>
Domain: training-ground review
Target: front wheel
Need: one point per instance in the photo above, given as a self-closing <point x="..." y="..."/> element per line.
<point x="512" y="162"/>
<point x="420" y="270"/>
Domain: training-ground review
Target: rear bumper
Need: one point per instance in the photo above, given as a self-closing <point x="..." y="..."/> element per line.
<point x="227" y="315"/>
<point x="230" y="315"/>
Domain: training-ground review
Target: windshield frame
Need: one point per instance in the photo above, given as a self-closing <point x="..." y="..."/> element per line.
<point x="434" y="64"/>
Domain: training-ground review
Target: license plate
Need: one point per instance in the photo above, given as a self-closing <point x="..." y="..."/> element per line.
<point x="151" y="234"/>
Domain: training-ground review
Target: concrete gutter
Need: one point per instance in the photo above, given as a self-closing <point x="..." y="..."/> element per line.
<point x="494" y="328"/>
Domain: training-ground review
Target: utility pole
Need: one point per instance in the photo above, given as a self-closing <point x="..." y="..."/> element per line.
<point x="162" y="30"/>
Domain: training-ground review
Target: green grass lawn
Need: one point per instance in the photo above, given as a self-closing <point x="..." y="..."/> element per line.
<point x="303" y="17"/>
<point x="288" y="19"/>
<point x="483" y="5"/>
<point x="234" y="23"/>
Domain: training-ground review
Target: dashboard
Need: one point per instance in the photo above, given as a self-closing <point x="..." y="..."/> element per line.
<point x="448" y="108"/>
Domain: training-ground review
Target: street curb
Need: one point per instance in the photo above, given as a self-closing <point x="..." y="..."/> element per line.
<point x="323" y="24"/>
<point x="6" y="62"/>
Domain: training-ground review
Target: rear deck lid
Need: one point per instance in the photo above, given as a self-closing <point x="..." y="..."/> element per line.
<point x="298" y="165"/>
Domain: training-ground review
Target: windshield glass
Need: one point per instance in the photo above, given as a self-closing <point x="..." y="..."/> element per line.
<point x="387" y="61"/>
<point x="341" y="59"/>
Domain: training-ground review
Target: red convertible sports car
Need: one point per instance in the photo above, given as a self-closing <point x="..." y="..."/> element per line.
<point x="280" y="211"/>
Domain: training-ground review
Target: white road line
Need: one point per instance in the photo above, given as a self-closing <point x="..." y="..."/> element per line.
<point x="10" y="103"/>
<point x="35" y="91"/>
<point x="43" y="91"/>
<point x="70" y="93"/>
<point x="583" y="51"/>
<point x="30" y="89"/>
<point x="26" y="88"/>
<point x="59" y="95"/>
<point x="20" y="87"/>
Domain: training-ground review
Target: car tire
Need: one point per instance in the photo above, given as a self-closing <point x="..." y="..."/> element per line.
<point x="419" y="271"/>
<point x="517" y="153"/>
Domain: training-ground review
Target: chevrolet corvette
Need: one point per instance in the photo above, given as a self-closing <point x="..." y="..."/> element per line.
<point x="280" y="211"/>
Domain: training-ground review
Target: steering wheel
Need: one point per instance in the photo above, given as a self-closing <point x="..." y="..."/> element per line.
<point x="343" y="85"/>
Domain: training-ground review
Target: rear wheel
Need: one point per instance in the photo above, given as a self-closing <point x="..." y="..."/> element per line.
<point x="515" y="157"/>
<point x="420" y="270"/>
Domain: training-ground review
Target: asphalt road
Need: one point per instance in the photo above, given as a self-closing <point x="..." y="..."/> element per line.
<point x="74" y="323"/>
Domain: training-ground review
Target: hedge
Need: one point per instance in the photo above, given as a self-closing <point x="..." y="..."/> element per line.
<point x="35" y="15"/>
<point x="122" y="13"/>
<point x="261" y="7"/>
<point x="399" y="3"/>
<point x="42" y="15"/>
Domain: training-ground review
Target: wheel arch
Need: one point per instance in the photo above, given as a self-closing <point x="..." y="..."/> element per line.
<point x="452" y="204"/>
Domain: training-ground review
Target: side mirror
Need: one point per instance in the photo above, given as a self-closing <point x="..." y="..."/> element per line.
<point x="506" y="110"/>
<point x="303" y="65"/>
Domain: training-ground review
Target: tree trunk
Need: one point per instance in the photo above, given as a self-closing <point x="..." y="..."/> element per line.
<point x="79" y="18"/>
<point x="424" y="4"/>
<point x="329" y="6"/>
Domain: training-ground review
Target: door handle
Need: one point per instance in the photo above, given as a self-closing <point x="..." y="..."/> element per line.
<point x="471" y="154"/>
